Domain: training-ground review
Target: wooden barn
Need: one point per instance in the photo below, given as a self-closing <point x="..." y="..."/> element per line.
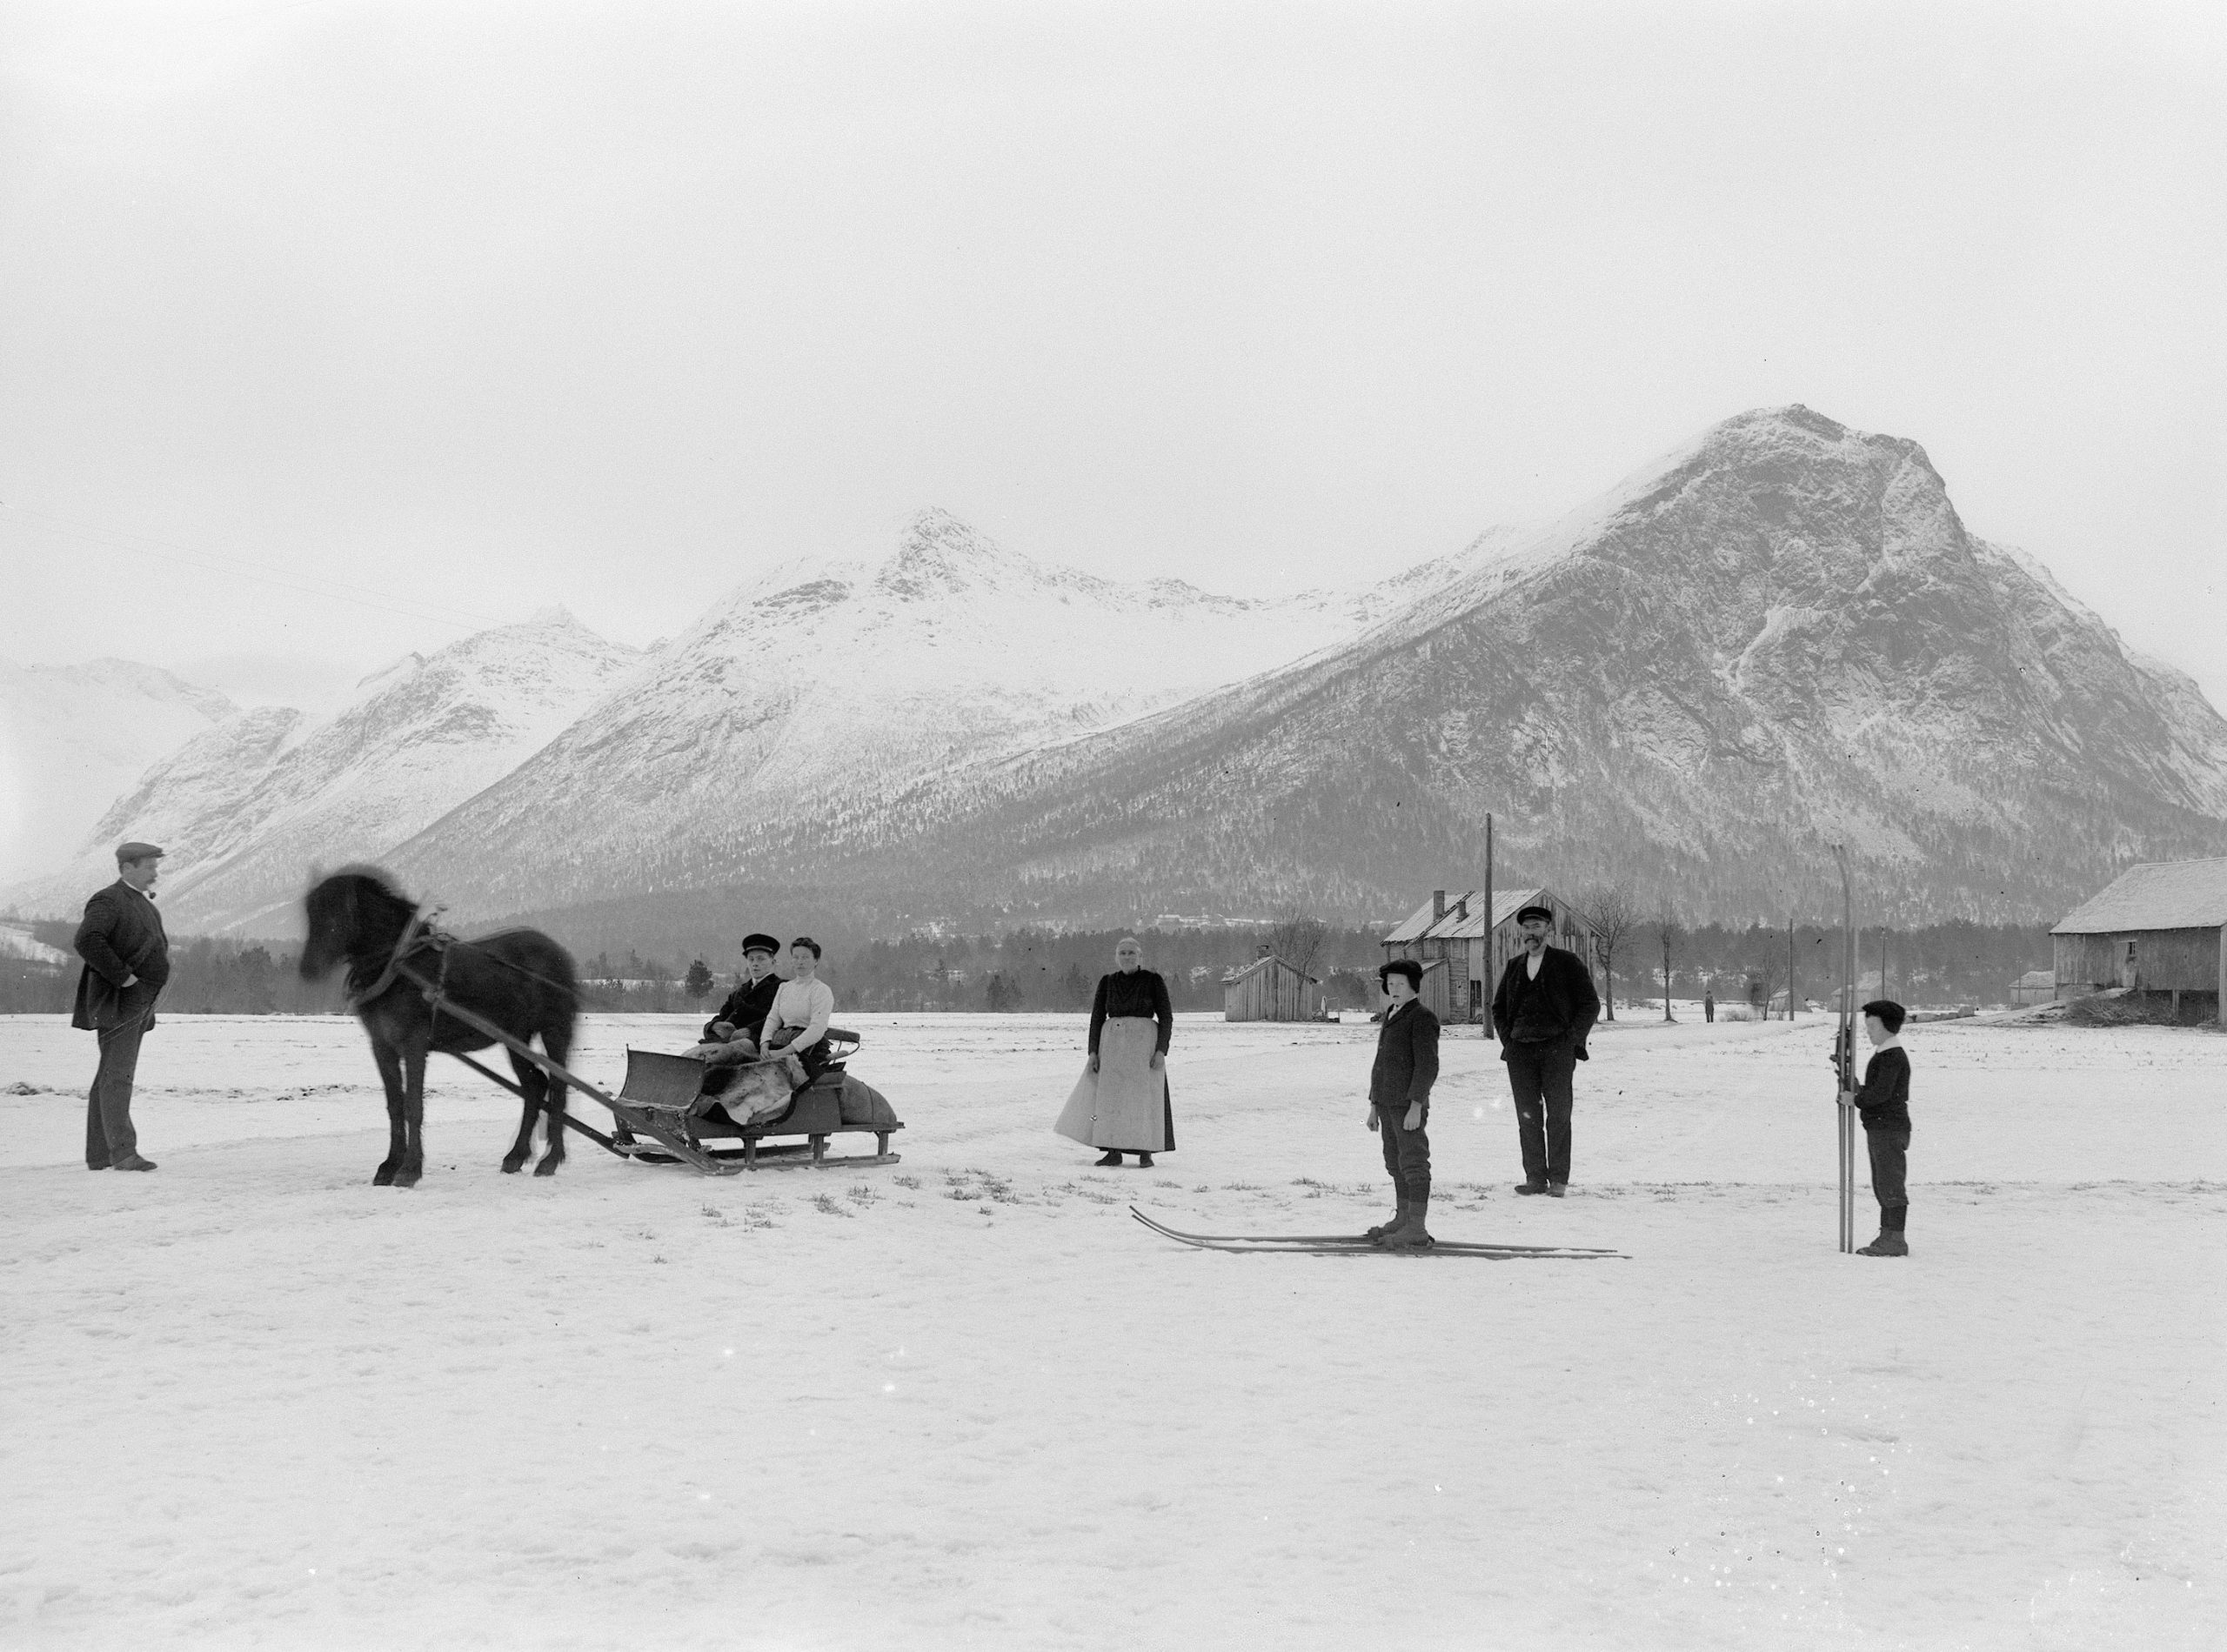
<point x="1456" y="934"/>
<point x="2158" y="928"/>
<point x="1268" y="989"/>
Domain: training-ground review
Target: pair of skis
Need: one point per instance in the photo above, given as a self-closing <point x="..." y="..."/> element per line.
<point x="1354" y="1245"/>
<point x="1844" y="1051"/>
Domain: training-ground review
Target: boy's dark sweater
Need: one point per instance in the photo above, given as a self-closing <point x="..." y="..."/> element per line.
<point x="1884" y="1100"/>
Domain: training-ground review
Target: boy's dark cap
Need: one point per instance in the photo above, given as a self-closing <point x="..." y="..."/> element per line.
<point x="760" y="942"/>
<point x="1407" y="967"/>
<point x="1535" y="911"/>
<point x="1890" y="1014"/>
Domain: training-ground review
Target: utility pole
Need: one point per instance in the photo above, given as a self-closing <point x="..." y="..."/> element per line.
<point x="1491" y="930"/>
<point x="1789" y="966"/>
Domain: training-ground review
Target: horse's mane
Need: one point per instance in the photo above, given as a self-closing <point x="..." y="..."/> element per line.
<point x="370" y="874"/>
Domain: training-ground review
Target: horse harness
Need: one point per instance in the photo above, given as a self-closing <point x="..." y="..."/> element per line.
<point x="422" y="933"/>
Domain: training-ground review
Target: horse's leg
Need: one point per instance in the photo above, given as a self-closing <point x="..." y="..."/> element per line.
<point x="557" y="1044"/>
<point x="413" y="1151"/>
<point x="532" y="1081"/>
<point x="390" y="1066"/>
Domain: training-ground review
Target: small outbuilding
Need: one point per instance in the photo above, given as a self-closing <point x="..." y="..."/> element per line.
<point x="1268" y="989"/>
<point x="2157" y="927"/>
<point x="2035" y="987"/>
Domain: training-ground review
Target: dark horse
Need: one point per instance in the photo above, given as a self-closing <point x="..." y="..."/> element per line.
<point x="519" y="979"/>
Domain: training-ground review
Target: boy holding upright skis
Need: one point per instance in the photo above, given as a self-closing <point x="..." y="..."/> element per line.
<point x="1399" y="1102"/>
<point x="1884" y="1105"/>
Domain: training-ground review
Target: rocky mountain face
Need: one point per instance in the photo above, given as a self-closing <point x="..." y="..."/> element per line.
<point x="1778" y="637"/>
<point x="801" y="702"/>
<point x="72" y="736"/>
<point x="1781" y="637"/>
<point x="246" y="808"/>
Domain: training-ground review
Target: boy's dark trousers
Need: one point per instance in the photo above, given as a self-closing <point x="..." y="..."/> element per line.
<point x="1539" y="1072"/>
<point x="1889" y="1176"/>
<point x="1407" y="1153"/>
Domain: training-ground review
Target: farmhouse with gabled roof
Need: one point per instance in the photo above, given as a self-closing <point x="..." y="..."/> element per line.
<point x="1474" y="951"/>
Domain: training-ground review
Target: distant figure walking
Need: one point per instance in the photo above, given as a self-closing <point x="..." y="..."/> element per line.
<point x="127" y="956"/>
<point x="1708" y="1004"/>
<point x="1122" y="1103"/>
<point x="1399" y="1102"/>
<point x="1544" y="1012"/>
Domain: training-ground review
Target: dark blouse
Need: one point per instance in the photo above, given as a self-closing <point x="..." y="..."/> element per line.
<point x="1138" y="993"/>
<point x="747" y="1007"/>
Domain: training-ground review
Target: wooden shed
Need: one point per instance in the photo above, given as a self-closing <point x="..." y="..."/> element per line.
<point x="2158" y="928"/>
<point x="1268" y="989"/>
<point x="1455" y="933"/>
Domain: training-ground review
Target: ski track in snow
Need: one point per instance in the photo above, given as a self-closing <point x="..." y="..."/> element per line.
<point x="965" y="1400"/>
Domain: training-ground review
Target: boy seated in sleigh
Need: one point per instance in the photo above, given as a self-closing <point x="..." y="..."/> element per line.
<point x="730" y="1038"/>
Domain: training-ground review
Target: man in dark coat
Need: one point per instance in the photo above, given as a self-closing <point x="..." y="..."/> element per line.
<point x="1399" y="1102"/>
<point x="1544" y="1012"/>
<point x="127" y="960"/>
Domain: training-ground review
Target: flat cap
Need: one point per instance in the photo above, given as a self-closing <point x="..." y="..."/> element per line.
<point x="136" y="851"/>
<point x="1531" y="911"/>
<point x="761" y="943"/>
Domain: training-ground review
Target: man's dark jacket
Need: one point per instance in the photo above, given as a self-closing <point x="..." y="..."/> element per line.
<point x="1406" y="1057"/>
<point x="1560" y="1003"/>
<point x="122" y="936"/>
<point x="746" y="1008"/>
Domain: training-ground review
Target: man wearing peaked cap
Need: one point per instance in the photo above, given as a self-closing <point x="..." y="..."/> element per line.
<point x="127" y="957"/>
<point x="1544" y="1012"/>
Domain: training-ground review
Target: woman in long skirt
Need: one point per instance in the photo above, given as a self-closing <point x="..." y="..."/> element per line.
<point x="1121" y="1103"/>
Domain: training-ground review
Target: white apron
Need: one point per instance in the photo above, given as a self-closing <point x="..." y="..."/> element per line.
<point x="1124" y="1104"/>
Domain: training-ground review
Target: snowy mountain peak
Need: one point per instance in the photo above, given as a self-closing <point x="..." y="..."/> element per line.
<point x="247" y="805"/>
<point x="938" y="555"/>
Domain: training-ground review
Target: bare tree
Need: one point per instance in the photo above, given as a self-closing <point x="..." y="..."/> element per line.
<point x="1668" y="933"/>
<point x="1296" y="937"/>
<point x="1611" y="910"/>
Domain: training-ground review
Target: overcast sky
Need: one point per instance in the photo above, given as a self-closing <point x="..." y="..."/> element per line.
<point x="476" y="308"/>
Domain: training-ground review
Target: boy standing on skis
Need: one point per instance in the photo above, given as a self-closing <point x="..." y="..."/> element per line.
<point x="1885" y="1105"/>
<point x="1399" y="1102"/>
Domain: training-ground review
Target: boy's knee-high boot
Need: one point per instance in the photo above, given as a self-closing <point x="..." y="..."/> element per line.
<point x="1411" y="1234"/>
<point x="1399" y="1218"/>
<point x="1890" y="1242"/>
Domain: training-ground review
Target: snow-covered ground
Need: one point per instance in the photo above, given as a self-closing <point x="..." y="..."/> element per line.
<point x="254" y="1400"/>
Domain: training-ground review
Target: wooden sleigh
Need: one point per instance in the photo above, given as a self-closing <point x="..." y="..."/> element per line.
<point x="664" y="1091"/>
<point x="654" y="1102"/>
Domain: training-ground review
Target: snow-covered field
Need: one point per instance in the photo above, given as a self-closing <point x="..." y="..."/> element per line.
<point x="965" y="1400"/>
